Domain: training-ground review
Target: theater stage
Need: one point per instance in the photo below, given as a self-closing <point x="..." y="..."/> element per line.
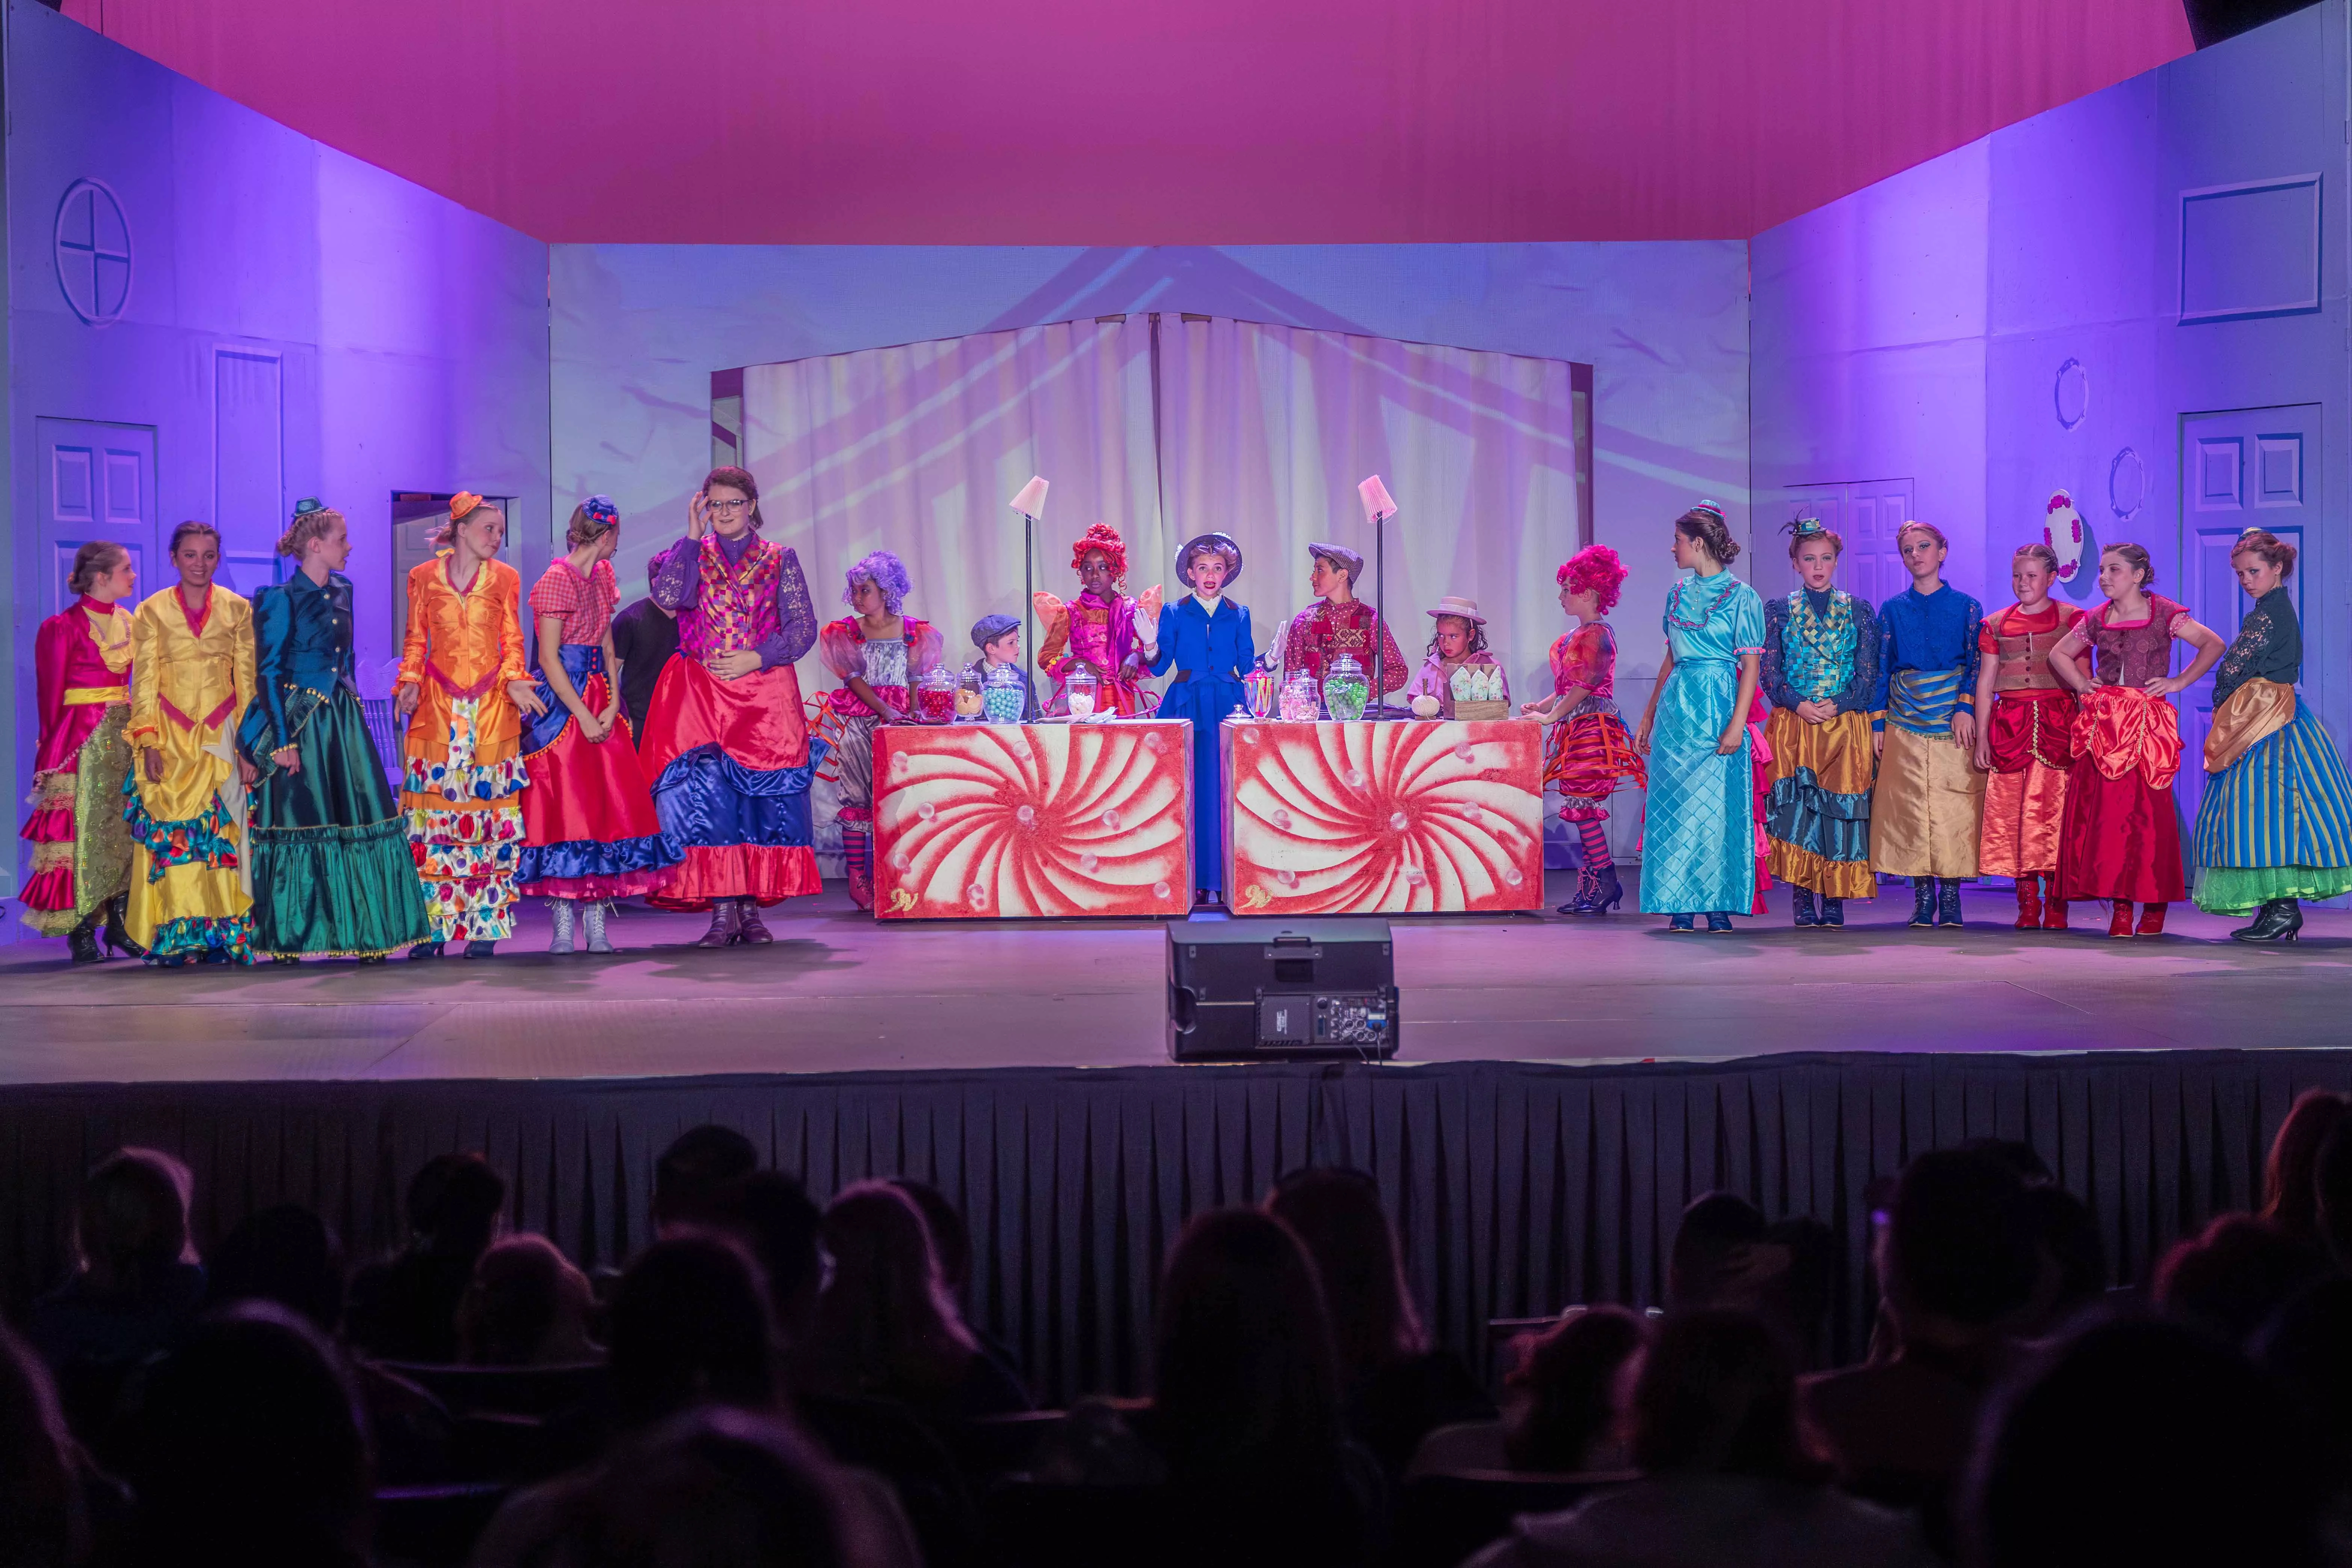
<point x="837" y="993"/>
<point x="1565" y="1088"/>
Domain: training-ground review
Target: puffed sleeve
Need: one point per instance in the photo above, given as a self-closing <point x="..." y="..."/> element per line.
<point x="930" y="651"/>
<point x="841" y="650"/>
<point x="51" y="647"/>
<point x="146" y="728"/>
<point x="1776" y="638"/>
<point x="413" y="640"/>
<point x="674" y="584"/>
<point x="1057" y="637"/>
<point x="1745" y="630"/>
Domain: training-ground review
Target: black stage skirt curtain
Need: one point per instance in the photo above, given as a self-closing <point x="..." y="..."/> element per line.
<point x="1517" y="1189"/>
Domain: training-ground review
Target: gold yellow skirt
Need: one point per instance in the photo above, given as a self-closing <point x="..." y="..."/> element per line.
<point x="1925" y="817"/>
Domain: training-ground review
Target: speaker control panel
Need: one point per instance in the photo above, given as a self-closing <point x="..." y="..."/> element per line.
<point x="1303" y="1020"/>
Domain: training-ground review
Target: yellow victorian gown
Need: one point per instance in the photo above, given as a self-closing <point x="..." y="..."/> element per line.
<point x="191" y="677"/>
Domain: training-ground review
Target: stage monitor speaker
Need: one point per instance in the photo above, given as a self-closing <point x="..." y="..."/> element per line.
<point x="1258" y="990"/>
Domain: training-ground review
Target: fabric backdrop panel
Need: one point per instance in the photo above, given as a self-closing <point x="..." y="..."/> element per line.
<point x="1265" y="431"/>
<point x="1517" y="1188"/>
<point x="919" y="450"/>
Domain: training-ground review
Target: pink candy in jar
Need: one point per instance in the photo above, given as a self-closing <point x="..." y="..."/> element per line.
<point x="1302" y="701"/>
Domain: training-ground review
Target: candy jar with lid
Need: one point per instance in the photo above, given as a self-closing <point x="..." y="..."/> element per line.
<point x="1080" y="690"/>
<point x="1300" y="703"/>
<point x="1345" y="687"/>
<point x="969" y="701"/>
<point x="935" y="697"/>
<point x="1262" y="689"/>
<point x="1003" y="694"/>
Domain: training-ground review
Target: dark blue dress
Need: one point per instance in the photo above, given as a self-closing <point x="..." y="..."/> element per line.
<point x="1210" y="655"/>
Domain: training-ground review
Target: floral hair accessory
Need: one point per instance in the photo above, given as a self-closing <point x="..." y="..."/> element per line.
<point x="602" y="508"/>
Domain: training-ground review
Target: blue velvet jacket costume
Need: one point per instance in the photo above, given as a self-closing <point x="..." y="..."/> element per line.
<point x="1211" y="653"/>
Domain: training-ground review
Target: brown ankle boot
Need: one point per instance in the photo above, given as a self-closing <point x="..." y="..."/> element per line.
<point x="726" y="924"/>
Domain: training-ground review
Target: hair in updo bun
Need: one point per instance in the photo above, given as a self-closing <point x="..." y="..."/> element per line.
<point x="1703" y="523"/>
<point x="2136" y="556"/>
<point x="2275" y="551"/>
<point x="310" y="521"/>
<point x="94" y="561"/>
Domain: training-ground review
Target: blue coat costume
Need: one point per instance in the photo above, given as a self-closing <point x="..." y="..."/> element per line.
<point x="1210" y="649"/>
<point x="1210" y="654"/>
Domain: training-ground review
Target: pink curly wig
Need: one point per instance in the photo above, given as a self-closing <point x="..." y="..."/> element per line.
<point x="1102" y="536"/>
<point x="1594" y="569"/>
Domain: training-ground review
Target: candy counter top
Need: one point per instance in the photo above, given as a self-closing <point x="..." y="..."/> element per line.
<point x="986" y="821"/>
<point x="1414" y="816"/>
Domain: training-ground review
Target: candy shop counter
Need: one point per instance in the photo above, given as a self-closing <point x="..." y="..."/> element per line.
<point x="1398" y="816"/>
<point x="1034" y="821"/>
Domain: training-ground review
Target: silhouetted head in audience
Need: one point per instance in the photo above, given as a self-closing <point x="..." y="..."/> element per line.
<point x="284" y="1254"/>
<point x="950" y="1237"/>
<point x="2307" y="1350"/>
<point x="1336" y="1212"/>
<point x="2143" y="1443"/>
<point x="772" y="1219"/>
<point x="1957" y="1255"/>
<point x="2290" y="1176"/>
<point x="1717" y="1395"/>
<point x="1713" y="1251"/>
<point x="131" y="1223"/>
<point x="697" y="1163"/>
<point x="44" y="1515"/>
<point x="525" y="1306"/>
<point x="2023" y="1159"/>
<point x="1245" y="1375"/>
<point x="1573" y="1378"/>
<point x="250" y="1447"/>
<point x="884" y="1323"/>
<point x="455" y="1203"/>
<point x="2234" y="1274"/>
<point x="689" y="1325"/>
<point x="714" y="1488"/>
<point x="2072" y="1259"/>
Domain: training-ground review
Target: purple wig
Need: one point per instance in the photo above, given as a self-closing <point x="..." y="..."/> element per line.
<point x="886" y="572"/>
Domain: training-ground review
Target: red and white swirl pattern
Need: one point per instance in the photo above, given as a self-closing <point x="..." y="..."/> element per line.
<point x="1416" y="815"/>
<point x="1014" y="821"/>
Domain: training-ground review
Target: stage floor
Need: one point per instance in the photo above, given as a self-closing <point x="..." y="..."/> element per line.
<point x="838" y="993"/>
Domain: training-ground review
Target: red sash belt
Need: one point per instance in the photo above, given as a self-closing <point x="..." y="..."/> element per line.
<point x="172" y="712"/>
<point x="464" y="693"/>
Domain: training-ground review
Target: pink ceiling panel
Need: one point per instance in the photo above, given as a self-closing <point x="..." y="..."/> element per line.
<point x="1142" y="122"/>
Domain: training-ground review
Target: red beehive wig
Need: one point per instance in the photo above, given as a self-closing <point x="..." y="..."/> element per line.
<point x="1594" y="569"/>
<point x="1102" y="536"/>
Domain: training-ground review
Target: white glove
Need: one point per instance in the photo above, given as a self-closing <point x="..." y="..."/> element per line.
<point x="1146" y="628"/>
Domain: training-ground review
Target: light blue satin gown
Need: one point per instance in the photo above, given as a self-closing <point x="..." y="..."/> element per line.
<point x="1698" y="842"/>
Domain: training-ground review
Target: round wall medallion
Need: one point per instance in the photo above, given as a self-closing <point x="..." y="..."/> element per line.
<point x="93" y="253"/>
<point x="2126" y="484"/>
<point x="2071" y="394"/>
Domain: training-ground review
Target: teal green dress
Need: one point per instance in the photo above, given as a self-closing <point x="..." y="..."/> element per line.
<point x="1698" y="839"/>
<point x="332" y="873"/>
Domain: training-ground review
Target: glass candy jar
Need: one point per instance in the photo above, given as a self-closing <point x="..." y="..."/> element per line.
<point x="1346" y="689"/>
<point x="1081" y="691"/>
<point x="1300" y="703"/>
<point x="1002" y="694"/>
<point x="935" y="697"/>
<point x="1262" y="689"/>
<point x="970" y="699"/>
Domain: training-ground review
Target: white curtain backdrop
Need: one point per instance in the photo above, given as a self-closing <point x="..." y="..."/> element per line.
<point x="1260" y="431"/>
<point x="1265" y="431"/>
<point x="918" y="448"/>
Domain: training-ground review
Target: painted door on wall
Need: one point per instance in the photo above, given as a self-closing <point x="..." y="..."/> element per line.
<point x="1865" y="513"/>
<point x="2240" y="469"/>
<point x="94" y="481"/>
